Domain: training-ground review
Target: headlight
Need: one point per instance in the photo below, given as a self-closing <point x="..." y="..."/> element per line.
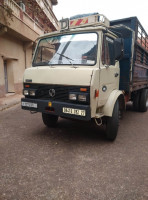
<point x="32" y="93"/>
<point x="26" y="92"/>
<point x="82" y="97"/>
<point x="73" y="97"/>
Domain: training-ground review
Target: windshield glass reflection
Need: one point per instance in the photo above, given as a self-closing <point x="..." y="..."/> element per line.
<point x="75" y="49"/>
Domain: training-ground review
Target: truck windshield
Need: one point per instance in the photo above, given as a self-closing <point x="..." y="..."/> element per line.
<point x="74" y="49"/>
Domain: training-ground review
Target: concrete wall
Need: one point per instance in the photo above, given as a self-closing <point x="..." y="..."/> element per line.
<point x="12" y="51"/>
<point x="2" y="80"/>
<point x="16" y="40"/>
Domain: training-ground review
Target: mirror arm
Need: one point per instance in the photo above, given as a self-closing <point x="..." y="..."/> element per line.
<point x="107" y="66"/>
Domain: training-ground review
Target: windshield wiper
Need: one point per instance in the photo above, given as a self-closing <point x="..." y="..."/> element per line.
<point x="69" y="59"/>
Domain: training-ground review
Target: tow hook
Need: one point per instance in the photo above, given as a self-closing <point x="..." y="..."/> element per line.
<point x="98" y="123"/>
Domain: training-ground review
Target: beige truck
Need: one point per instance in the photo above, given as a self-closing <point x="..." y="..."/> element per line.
<point x="88" y="70"/>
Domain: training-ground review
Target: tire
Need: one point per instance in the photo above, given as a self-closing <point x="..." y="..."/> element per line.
<point x="112" y="123"/>
<point x="136" y="101"/>
<point x="49" y="120"/>
<point x="143" y="100"/>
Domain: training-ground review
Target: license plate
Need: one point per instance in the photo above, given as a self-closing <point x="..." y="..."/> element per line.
<point x="74" y="111"/>
<point x="30" y="105"/>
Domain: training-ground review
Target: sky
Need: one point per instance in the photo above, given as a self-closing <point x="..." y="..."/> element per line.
<point x="112" y="9"/>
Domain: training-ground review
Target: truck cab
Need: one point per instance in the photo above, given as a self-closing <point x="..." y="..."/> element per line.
<point x="75" y="74"/>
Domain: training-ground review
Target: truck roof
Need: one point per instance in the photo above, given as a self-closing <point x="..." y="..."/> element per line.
<point x="75" y="30"/>
<point x="84" y="22"/>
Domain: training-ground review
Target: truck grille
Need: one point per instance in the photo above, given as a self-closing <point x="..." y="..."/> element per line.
<point x="61" y="92"/>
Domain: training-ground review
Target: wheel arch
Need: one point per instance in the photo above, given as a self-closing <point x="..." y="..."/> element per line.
<point x="109" y="106"/>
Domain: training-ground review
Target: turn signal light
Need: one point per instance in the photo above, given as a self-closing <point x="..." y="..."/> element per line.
<point x="96" y="93"/>
<point x="83" y="89"/>
<point x="27" y="86"/>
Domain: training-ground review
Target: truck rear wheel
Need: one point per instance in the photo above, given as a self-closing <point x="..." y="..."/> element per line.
<point x="49" y="120"/>
<point x="112" y="123"/>
<point x="136" y="101"/>
<point x="143" y="100"/>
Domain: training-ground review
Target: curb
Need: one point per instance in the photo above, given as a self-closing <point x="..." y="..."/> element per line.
<point x="4" y="107"/>
<point x="9" y="102"/>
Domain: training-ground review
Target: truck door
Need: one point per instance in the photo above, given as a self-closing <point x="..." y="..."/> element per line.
<point x="109" y="74"/>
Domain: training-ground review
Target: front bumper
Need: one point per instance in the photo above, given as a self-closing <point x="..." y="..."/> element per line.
<point x="57" y="108"/>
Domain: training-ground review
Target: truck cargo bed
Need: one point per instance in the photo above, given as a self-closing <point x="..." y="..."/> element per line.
<point x="134" y="65"/>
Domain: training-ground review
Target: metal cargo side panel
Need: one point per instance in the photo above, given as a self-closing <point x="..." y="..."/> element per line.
<point x="140" y="69"/>
<point x="140" y="60"/>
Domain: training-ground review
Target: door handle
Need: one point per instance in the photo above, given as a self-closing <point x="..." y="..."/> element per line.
<point x="116" y="74"/>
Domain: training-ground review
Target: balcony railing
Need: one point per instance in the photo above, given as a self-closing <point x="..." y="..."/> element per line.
<point x="49" y="13"/>
<point x="24" y="17"/>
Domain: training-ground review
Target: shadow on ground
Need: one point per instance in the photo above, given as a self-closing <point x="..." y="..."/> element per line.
<point x="76" y="130"/>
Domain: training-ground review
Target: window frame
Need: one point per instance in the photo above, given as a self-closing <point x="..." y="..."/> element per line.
<point x="104" y="52"/>
<point x="36" y="50"/>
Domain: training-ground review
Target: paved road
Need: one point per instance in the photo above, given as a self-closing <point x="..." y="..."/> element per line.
<point x="73" y="161"/>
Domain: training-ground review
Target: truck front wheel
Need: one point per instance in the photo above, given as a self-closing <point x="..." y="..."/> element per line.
<point x="49" y="120"/>
<point x="112" y="123"/>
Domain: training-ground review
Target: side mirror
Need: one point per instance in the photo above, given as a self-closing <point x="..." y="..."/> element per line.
<point x="119" y="48"/>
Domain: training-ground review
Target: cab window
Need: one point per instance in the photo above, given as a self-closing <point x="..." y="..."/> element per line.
<point x="108" y="56"/>
<point x="73" y="49"/>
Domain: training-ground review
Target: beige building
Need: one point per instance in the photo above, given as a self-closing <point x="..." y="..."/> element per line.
<point x="21" y="22"/>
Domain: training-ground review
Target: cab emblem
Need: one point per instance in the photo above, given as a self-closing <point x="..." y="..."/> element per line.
<point x="51" y="92"/>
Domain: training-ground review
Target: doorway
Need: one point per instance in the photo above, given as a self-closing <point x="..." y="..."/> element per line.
<point x="9" y="76"/>
<point x="5" y="76"/>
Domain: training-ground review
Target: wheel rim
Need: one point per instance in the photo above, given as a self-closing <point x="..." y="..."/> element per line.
<point x="147" y="102"/>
